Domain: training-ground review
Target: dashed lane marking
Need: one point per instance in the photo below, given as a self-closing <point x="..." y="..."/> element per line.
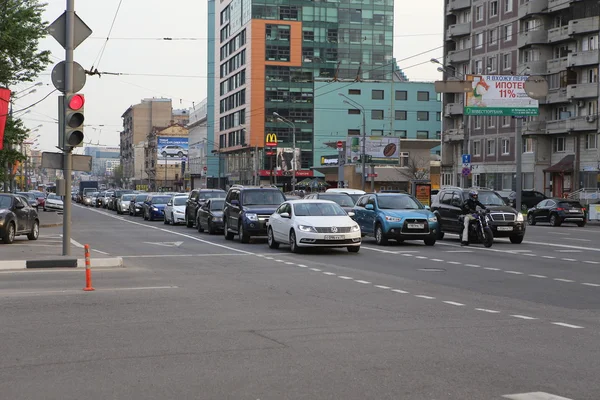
<point x="514" y="272"/>
<point x="345" y="277"/>
<point x="328" y="273"/>
<point x="302" y="265"/>
<point x="473" y="265"/>
<point x="549" y="257"/>
<point x="567" y="325"/>
<point x="579" y="240"/>
<point x="568" y="251"/>
<point x="591" y="284"/>
<point x="537" y="276"/>
<point x="361" y="281"/>
<point x="421" y="257"/>
<point x="437" y="260"/>
<point x="491" y="268"/>
<point x="563" y="280"/>
<point x="315" y="269"/>
<point x="289" y="263"/>
<point x="592" y="262"/>
<point x="568" y="259"/>
<point x="453" y="303"/>
<point x="454" y="262"/>
<point x="421" y="296"/>
<point x="400" y="291"/>
<point x="522" y="317"/>
<point x="534" y="396"/>
<point x="382" y="287"/>
<point x="488" y="310"/>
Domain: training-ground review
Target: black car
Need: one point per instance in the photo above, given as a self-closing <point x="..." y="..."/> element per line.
<point x="17" y="218"/>
<point x="136" y="206"/>
<point x="556" y="212"/>
<point x="32" y="199"/>
<point x="210" y="216"/>
<point x="247" y="210"/>
<point x="506" y="221"/>
<point x="342" y="199"/>
<point x="115" y="197"/>
<point x="196" y="199"/>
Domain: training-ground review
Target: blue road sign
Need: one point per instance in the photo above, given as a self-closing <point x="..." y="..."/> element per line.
<point x="466" y="159"/>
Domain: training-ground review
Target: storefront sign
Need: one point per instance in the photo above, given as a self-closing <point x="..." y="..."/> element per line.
<point x="305" y="173"/>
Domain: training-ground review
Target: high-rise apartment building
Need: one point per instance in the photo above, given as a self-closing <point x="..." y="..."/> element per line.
<point x="557" y="39"/>
<point x="266" y="58"/>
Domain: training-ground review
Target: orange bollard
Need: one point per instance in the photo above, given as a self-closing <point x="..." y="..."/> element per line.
<point x="88" y="272"/>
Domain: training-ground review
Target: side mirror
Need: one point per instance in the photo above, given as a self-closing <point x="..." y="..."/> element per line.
<point x="456" y="203"/>
<point x="351" y="214"/>
<point x="427" y="208"/>
<point x="169" y="204"/>
<point x="19" y="206"/>
<point x="285" y="215"/>
<point x="235" y="203"/>
<point x="369" y="207"/>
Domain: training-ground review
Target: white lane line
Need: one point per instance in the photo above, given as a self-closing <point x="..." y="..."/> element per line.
<point x="568" y="259"/>
<point x="522" y="316"/>
<point x="407" y="255"/>
<point x="563" y="280"/>
<point x="101" y="252"/>
<point x="453" y="303"/>
<point x="549" y="257"/>
<point x="437" y="260"/>
<point x="491" y="269"/>
<point x="568" y="251"/>
<point x="315" y="269"/>
<point x="421" y="257"/>
<point x="580" y="240"/>
<point x="592" y="262"/>
<point x="43" y="292"/>
<point x="260" y="255"/>
<point x="453" y="262"/>
<point x="400" y="291"/>
<point x="534" y="396"/>
<point x="537" y="276"/>
<point x="529" y="254"/>
<point x="459" y="251"/>
<point x="424" y="297"/>
<point x="382" y="287"/>
<point x="345" y="277"/>
<point x="363" y="282"/>
<point x="488" y="310"/>
<point x="76" y="244"/>
<point x="567" y="325"/>
<point x="565" y="246"/>
<point x="410" y="251"/>
<point x="302" y="265"/>
<point x="591" y="284"/>
<point x="328" y="273"/>
<point x="558" y="233"/>
<point x="269" y="258"/>
<point x="514" y="272"/>
<point x="289" y="263"/>
<point x="280" y="260"/>
<point x="473" y="265"/>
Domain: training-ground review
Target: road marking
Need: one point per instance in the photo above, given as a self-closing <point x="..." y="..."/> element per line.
<point x="491" y="269"/>
<point x="459" y="251"/>
<point x="549" y="257"/>
<point x="165" y="244"/>
<point x="530" y="254"/>
<point x="76" y="244"/>
<point x="568" y="259"/>
<point x="517" y="252"/>
<point x="453" y="262"/>
<point x="289" y="263"/>
<point x="315" y="269"/>
<point x="424" y="297"/>
<point x="558" y="233"/>
<point x="101" y="252"/>
<point x="68" y="291"/>
<point x="328" y="273"/>
<point x="567" y="325"/>
<point x="437" y="260"/>
<point x="537" y="276"/>
<point x="407" y="255"/>
<point x="581" y="240"/>
<point x="522" y="316"/>
<point x="534" y="396"/>
<point x="488" y="310"/>
<point x="568" y="251"/>
<point x="563" y="280"/>
<point x="344" y="277"/>
<point x="260" y="255"/>
<point x="183" y="255"/>
<point x="363" y="282"/>
<point x="453" y="303"/>
<point x="592" y="262"/>
<point x="421" y="257"/>
<point x="382" y="287"/>
<point x="566" y="246"/>
<point x="269" y="258"/>
<point x="591" y="284"/>
<point x="280" y="260"/>
<point x="302" y="265"/>
<point x="399" y="291"/>
<point x="473" y="265"/>
<point x="514" y="272"/>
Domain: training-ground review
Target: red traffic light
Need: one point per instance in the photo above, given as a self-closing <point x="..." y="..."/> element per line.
<point x="76" y="101"/>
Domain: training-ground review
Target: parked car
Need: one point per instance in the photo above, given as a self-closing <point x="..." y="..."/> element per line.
<point x="154" y="206"/>
<point x="196" y="199"/>
<point x="93" y="199"/>
<point x="529" y="199"/>
<point x="342" y="199"/>
<point x="17" y="218"/>
<point x="312" y="223"/>
<point x="107" y="198"/>
<point x="122" y="202"/>
<point x="31" y="199"/>
<point x="41" y="198"/>
<point x="115" y="198"/>
<point x="247" y="210"/>
<point x="354" y="193"/>
<point x="100" y="200"/>
<point x="506" y="221"/>
<point x="556" y="212"/>
<point x="395" y="216"/>
<point x="175" y="209"/>
<point x="136" y="206"/>
<point x="54" y="202"/>
<point x="210" y="216"/>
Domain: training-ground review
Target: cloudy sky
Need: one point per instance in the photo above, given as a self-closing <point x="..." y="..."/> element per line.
<point x="151" y="67"/>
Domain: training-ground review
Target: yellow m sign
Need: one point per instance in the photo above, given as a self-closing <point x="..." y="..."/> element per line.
<point x="271" y="140"/>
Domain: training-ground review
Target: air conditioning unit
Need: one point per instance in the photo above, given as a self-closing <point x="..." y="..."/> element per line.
<point x="581" y="103"/>
<point x="591" y="118"/>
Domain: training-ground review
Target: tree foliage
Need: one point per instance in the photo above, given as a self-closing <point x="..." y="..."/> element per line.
<point x="14" y="134"/>
<point x="416" y="168"/>
<point x="21" y="28"/>
<point x="118" y="176"/>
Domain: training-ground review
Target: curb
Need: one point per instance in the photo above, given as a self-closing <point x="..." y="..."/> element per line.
<point x="71" y="263"/>
<point x="50" y="225"/>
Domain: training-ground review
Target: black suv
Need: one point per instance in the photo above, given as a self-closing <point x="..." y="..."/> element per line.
<point x="506" y="221"/>
<point x="196" y="199"/>
<point x="247" y="210"/>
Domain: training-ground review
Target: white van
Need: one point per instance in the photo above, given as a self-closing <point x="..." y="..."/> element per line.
<point x="354" y="193"/>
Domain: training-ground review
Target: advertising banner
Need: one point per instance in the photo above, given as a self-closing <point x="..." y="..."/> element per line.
<point x="172" y="150"/>
<point x="286" y="160"/>
<point x="4" y="105"/>
<point x="499" y="95"/>
<point x="379" y="150"/>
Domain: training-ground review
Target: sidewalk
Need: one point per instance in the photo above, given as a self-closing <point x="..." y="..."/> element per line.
<point x="50" y="219"/>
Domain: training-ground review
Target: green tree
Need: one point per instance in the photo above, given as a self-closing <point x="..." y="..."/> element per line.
<point x="14" y="134"/>
<point x="118" y="176"/>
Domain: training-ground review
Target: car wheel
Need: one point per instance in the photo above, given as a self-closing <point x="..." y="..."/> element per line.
<point x="244" y="237"/>
<point x="44" y="209"/>
<point x="293" y="244"/>
<point x="188" y="223"/>
<point x="145" y="216"/>
<point x="517" y="239"/>
<point x="35" y="231"/>
<point x="164" y="154"/>
<point x="210" y="228"/>
<point x="9" y="234"/>
<point x="199" y="226"/>
<point x="429" y="241"/>
<point x="228" y="235"/>
<point x="530" y="219"/>
<point x="271" y="240"/>
<point x="581" y="224"/>
<point x="554" y="221"/>
<point x="180" y="154"/>
<point x="166" y="220"/>
<point x="150" y="217"/>
<point x="379" y="236"/>
<point x="353" y="249"/>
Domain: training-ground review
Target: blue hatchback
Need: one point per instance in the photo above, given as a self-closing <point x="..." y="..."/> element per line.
<point x="154" y="206"/>
<point x="395" y="216"/>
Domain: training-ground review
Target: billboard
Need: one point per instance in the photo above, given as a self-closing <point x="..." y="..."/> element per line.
<point x="171" y="149"/>
<point x="379" y="149"/>
<point x="499" y="95"/>
<point x="286" y="160"/>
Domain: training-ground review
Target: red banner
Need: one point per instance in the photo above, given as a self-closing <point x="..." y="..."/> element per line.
<point x="300" y="173"/>
<point x="4" y="103"/>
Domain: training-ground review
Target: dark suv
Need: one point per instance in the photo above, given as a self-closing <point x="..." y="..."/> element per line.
<point x="247" y="210"/>
<point x="196" y="199"/>
<point x="506" y="221"/>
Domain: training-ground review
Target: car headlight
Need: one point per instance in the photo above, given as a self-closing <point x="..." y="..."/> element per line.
<point x="355" y="228"/>
<point x="124" y="204"/>
<point x="217" y="219"/>
<point x="392" y="219"/>
<point x="520" y="217"/>
<point x="307" y="228"/>
<point x="154" y="209"/>
<point x="252" y="217"/>
<point x="432" y="219"/>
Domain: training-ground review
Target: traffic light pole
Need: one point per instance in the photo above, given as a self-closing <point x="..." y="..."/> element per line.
<point x="68" y="158"/>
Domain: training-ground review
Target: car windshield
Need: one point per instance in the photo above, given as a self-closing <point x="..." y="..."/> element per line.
<point x="128" y="197"/>
<point x="179" y="201"/>
<point x="569" y="204"/>
<point x="28" y="195"/>
<point x="53" y="197"/>
<point x="404" y="202"/>
<point x="355" y="197"/>
<point x="318" y="210"/>
<point x="5" y="202"/>
<point x="342" y="199"/>
<point x="490" y="199"/>
<point x="217" y="205"/>
<point x="95" y="194"/>
<point x="263" y="197"/>
<point x="140" y="197"/>
<point x="211" y="195"/>
<point x="160" y="200"/>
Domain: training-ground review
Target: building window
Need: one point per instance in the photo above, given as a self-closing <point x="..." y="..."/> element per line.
<point x="494" y="8"/>
<point x="438" y="116"/>
<point x="505" y="147"/>
<point x="507" y="180"/>
<point x="422" y="96"/>
<point x="377" y="94"/>
<point x="506" y="61"/>
<point x="400" y="115"/>
<point x="376" y="132"/>
<point x="400" y="134"/>
<point x="479" y="40"/>
<point x="404" y="159"/>
<point x="479" y="13"/>
<point x="592" y="75"/>
<point x="438" y="135"/>
<point x="506" y="120"/>
<point x="401" y="95"/>
<point x="354" y="91"/>
<point x="353" y="111"/>
<point x="493" y="35"/>
<point x="491" y="147"/>
<point x="591" y="141"/>
<point x="477" y="148"/>
<point x="353" y="132"/>
<point x="491" y="122"/>
<point x="507" y="33"/>
<point x="559" y="145"/>
<point x="376" y="114"/>
<point x="508" y="6"/>
<point x="422" y="134"/>
<point x="528" y="145"/>
<point x="477" y="122"/>
<point x="476" y="180"/>
<point x="446" y="179"/>
<point x="422" y="116"/>
<point x="222" y="141"/>
<point x="479" y="66"/>
<point x="492" y="63"/>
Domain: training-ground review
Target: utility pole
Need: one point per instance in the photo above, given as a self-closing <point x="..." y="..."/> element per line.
<point x="363" y="155"/>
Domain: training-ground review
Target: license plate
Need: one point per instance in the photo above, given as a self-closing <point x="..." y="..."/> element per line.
<point x="334" y="237"/>
<point x="505" y="228"/>
<point x="416" y="226"/>
<point x="574" y="211"/>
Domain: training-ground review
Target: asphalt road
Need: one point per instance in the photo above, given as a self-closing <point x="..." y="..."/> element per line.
<point x="195" y="316"/>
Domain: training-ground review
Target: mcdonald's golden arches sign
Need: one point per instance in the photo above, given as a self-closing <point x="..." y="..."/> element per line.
<point x="271" y="140"/>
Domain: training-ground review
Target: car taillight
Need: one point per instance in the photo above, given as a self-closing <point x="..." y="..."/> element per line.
<point x="583" y="209"/>
<point x="560" y="209"/>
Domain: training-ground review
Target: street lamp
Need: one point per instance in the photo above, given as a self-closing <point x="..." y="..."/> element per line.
<point x="364" y="137"/>
<point x="294" y="161"/>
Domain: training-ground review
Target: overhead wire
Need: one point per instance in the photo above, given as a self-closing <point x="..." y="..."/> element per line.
<point x="96" y="62"/>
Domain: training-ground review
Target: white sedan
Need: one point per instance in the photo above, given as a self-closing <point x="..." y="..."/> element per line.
<point x="318" y="223"/>
<point x="53" y="202"/>
<point x="175" y="210"/>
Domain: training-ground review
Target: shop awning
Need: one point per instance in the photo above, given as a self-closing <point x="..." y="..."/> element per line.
<point x="564" y="165"/>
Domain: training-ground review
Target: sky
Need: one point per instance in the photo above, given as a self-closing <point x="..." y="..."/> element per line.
<point x="173" y="69"/>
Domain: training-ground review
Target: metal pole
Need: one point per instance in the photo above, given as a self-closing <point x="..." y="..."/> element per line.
<point x="466" y="149"/>
<point x="364" y="152"/>
<point x="372" y="178"/>
<point x="219" y="179"/>
<point x="68" y="157"/>
<point x="341" y="163"/>
<point x="294" y="165"/>
<point x="519" y="149"/>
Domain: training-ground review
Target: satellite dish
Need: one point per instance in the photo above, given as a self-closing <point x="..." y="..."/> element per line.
<point x="536" y="87"/>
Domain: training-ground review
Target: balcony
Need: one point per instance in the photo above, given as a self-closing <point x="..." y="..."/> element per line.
<point x="582" y="91"/>
<point x="557" y="96"/>
<point x="453" y="135"/>
<point x="458" y="30"/>
<point x="574" y="124"/>
<point x="583" y="25"/>
<point x="582" y="58"/>
<point x="532" y="37"/>
<point x="535" y="67"/>
<point x="557" y="65"/>
<point x="534" y="127"/>
<point x="559" y="34"/>
<point x="533" y="7"/>
<point x="556" y="5"/>
<point x="454" y="5"/>
<point x="454" y="109"/>
<point x="459" y="56"/>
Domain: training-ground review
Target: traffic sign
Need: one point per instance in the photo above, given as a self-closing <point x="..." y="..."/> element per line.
<point x="205" y="168"/>
<point x="466" y="159"/>
<point x="271" y="140"/>
<point x="58" y="30"/>
<point x="340" y="144"/>
<point x="372" y="175"/>
<point x="466" y="171"/>
<point x="58" y="76"/>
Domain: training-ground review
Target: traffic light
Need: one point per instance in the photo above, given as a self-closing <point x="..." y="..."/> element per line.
<point x="74" y="119"/>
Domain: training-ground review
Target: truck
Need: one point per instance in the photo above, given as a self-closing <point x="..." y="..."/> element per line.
<point x="86" y="187"/>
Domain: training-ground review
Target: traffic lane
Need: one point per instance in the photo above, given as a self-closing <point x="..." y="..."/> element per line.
<point x="565" y="234"/>
<point x="251" y="334"/>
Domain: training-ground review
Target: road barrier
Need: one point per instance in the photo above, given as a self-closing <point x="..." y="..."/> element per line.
<point x="88" y="272"/>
